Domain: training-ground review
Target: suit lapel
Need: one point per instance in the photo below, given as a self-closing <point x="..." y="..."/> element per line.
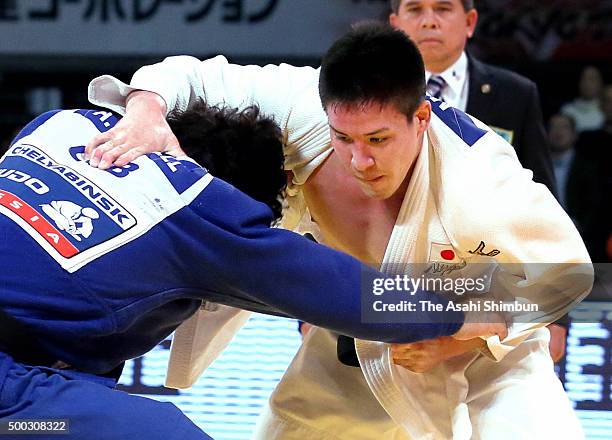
<point x="481" y="89"/>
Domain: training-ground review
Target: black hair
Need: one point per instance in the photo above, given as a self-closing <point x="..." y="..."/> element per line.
<point x="242" y="147"/>
<point x="467" y="5"/>
<point x="373" y="63"/>
<point x="568" y="118"/>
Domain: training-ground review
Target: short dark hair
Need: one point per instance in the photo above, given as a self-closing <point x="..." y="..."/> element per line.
<point x="242" y="147"/>
<point x="467" y="5"/>
<point x="373" y="63"/>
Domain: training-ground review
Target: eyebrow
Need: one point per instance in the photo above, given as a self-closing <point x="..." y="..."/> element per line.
<point x="439" y="2"/>
<point x="365" y="134"/>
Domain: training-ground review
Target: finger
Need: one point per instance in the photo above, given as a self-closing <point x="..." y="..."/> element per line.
<point x="96" y="155"/>
<point x="402" y="363"/>
<point x="395" y="348"/>
<point x="397" y="353"/>
<point x="412" y="367"/>
<point x="408" y="357"/>
<point x="406" y="346"/>
<point x="129" y="156"/>
<point x="109" y="158"/>
<point x="401" y="350"/>
<point x="96" y="141"/>
<point x="399" y="359"/>
<point x="497" y="329"/>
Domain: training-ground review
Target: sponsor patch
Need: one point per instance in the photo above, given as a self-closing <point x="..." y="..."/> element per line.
<point x="69" y="211"/>
<point x="508" y="135"/>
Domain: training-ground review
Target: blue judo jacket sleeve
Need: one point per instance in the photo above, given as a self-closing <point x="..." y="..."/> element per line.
<point x="300" y="278"/>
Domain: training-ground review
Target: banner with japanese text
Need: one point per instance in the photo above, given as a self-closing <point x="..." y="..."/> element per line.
<point x="163" y="27"/>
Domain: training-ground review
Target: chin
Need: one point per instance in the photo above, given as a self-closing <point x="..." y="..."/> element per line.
<point x="376" y="193"/>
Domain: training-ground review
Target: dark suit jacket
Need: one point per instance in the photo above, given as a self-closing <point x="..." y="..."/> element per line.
<point x="508" y="101"/>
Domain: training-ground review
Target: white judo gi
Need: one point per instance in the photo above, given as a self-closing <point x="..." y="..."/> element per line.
<point x="461" y="193"/>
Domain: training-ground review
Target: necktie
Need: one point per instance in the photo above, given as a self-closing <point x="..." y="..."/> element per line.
<point x="435" y="86"/>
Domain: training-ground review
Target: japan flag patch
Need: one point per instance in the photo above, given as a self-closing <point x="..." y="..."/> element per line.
<point x="443" y="253"/>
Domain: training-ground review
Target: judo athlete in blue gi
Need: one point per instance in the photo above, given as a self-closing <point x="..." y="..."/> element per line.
<point x="99" y="266"/>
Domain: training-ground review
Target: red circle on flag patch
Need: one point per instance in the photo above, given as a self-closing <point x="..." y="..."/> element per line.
<point x="447" y="254"/>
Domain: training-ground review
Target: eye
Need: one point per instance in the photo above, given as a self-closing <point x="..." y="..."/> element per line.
<point x="342" y="138"/>
<point x="444" y="8"/>
<point x="377" y="140"/>
<point x="413" y="9"/>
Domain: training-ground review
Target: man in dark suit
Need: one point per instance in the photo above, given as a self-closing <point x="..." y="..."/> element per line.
<point x="510" y="104"/>
<point x="502" y="99"/>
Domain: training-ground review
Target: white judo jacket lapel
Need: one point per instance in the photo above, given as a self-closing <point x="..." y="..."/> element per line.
<point x="477" y="193"/>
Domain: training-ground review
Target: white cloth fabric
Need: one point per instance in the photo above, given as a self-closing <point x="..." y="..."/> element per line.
<point x="459" y="195"/>
<point x="199" y="341"/>
<point x="437" y="205"/>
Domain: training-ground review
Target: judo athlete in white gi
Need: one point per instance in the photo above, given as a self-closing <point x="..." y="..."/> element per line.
<point x="394" y="179"/>
<point x="80" y="292"/>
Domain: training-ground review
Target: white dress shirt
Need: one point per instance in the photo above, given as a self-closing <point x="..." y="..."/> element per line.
<point x="457" y="83"/>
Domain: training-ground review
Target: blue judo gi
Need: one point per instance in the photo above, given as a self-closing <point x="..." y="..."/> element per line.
<point x="100" y="266"/>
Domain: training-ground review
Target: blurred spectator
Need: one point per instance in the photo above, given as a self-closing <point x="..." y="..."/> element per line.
<point x="585" y="109"/>
<point x="562" y="139"/>
<point x="516" y="30"/>
<point x="589" y="189"/>
<point x="493" y="95"/>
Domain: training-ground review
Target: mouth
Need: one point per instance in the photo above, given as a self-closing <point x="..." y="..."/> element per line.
<point x="369" y="180"/>
<point x="429" y="41"/>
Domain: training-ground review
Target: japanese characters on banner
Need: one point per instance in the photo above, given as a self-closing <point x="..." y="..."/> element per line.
<point x="162" y="27"/>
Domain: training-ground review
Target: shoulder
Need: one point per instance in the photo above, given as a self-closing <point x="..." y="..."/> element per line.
<point x="503" y="78"/>
<point x="454" y="126"/>
<point x="51" y="122"/>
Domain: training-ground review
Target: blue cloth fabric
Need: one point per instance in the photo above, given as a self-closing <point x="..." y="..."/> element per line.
<point x="90" y="405"/>
<point x="103" y="265"/>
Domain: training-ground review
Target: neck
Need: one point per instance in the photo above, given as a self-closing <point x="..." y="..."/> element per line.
<point x="439" y="66"/>
<point x="394" y="202"/>
<point x="556" y="154"/>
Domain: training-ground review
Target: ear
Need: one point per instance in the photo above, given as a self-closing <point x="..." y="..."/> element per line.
<point x="471" y="18"/>
<point x="422" y="116"/>
<point x="393" y="20"/>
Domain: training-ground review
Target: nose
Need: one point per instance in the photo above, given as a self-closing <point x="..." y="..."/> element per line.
<point x="429" y="20"/>
<point x="361" y="159"/>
